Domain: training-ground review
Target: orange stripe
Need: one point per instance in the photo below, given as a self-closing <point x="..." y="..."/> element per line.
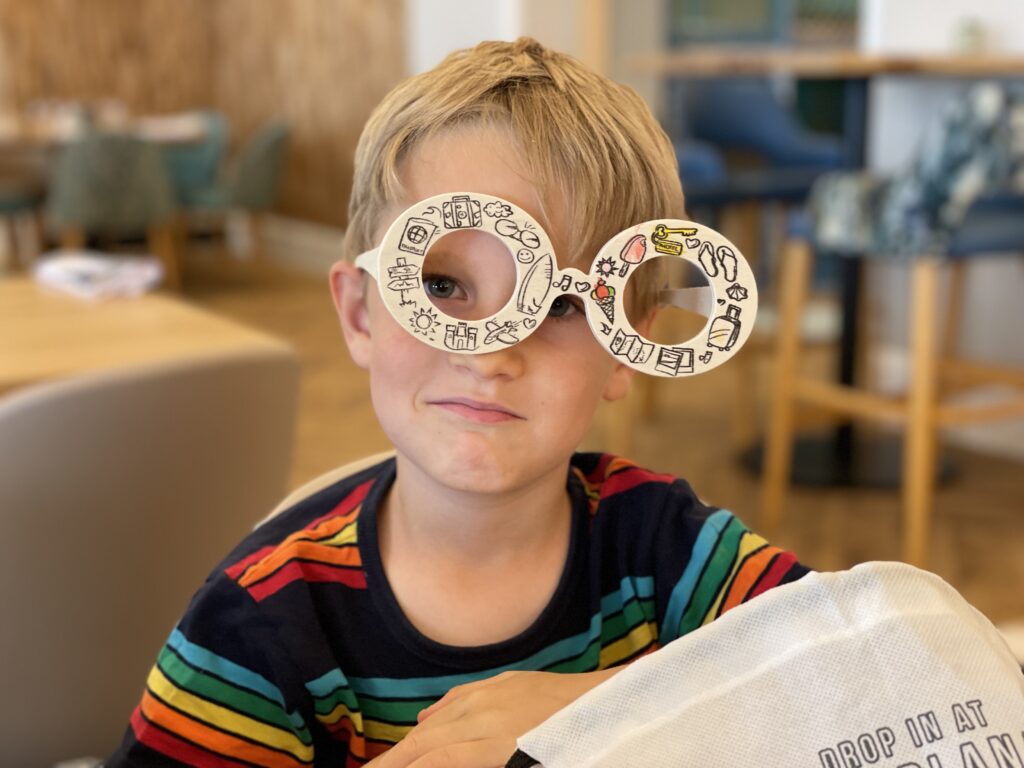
<point x="751" y="570"/>
<point x="303" y="550"/>
<point x="218" y="741"/>
<point x="357" y="743"/>
<point x="300" y="545"/>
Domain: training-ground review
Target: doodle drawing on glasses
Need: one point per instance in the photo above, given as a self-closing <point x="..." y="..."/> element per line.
<point x="729" y="301"/>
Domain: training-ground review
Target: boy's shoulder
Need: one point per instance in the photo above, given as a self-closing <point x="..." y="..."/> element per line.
<point x="313" y="534"/>
<point x="613" y="483"/>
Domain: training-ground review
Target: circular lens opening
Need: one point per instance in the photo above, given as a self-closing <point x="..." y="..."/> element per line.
<point x="679" y="292"/>
<point x="470" y="274"/>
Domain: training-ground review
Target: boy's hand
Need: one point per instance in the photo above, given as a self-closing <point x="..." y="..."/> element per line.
<point x="476" y="725"/>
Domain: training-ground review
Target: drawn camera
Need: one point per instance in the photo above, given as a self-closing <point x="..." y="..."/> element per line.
<point x="461" y="212"/>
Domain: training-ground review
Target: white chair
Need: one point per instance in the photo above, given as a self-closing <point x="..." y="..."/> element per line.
<point x="119" y="493"/>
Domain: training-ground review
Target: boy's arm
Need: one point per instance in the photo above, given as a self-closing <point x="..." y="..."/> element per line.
<point x="476" y="725"/>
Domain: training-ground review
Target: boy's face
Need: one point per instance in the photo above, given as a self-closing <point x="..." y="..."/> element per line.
<point x="486" y="423"/>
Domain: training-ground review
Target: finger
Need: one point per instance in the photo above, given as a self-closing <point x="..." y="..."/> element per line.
<point x="427" y="738"/>
<point x="484" y="753"/>
<point x="458" y="692"/>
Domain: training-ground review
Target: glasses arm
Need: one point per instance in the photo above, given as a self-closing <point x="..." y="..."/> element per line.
<point x="367" y="261"/>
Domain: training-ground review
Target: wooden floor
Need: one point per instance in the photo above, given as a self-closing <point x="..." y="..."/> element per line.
<point x="978" y="541"/>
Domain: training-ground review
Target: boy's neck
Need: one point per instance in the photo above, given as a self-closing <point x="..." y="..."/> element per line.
<point x="452" y="523"/>
<point x="470" y="569"/>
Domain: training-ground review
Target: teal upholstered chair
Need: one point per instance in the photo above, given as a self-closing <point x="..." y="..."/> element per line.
<point x="194" y="167"/>
<point x="961" y="197"/>
<point x="113" y="187"/>
<point x="249" y="186"/>
<point x="253" y="176"/>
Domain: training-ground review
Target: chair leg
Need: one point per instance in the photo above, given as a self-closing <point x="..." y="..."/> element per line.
<point x="919" y="449"/>
<point x="794" y="276"/>
<point x="954" y="309"/>
<point x="162" y="243"/>
<point x="28" y="238"/>
<point x="72" y="239"/>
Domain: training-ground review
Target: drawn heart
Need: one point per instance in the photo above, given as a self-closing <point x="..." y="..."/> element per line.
<point x="529" y="323"/>
<point x="692" y="242"/>
<point x="582" y="287"/>
<point x="721" y="301"/>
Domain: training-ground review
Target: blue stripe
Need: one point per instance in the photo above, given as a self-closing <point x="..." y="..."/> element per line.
<point x="703" y="548"/>
<point x="199" y="657"/>
<point x="630" y="588"/>
<point x="431" y="687"/>
<point x="327" y="684"/>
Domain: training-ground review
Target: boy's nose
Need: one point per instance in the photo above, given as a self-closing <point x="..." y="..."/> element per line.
<point x="501" y="363"/>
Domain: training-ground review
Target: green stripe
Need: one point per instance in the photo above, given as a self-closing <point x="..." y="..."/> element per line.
<point x="585" y="662"/>
<point x="325" y="704"/>
<point x="714" y="574"/>
<point x="213" y="689"/>
<point x="633" y="614"/>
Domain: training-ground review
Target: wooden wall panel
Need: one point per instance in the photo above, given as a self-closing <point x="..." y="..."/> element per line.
<point x="321" y="65"/>
<point x="153" y="55"/>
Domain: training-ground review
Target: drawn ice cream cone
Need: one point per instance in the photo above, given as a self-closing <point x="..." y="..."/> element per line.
<point x="604" y="296"/>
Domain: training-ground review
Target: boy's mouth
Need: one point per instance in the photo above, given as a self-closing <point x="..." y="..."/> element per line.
<point x="476" y="410"/>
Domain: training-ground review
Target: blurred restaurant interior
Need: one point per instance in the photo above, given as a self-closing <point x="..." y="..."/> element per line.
<point x="174" y="180"/>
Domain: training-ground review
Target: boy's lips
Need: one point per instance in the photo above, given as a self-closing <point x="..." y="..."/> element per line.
<point x="476" y="410"/>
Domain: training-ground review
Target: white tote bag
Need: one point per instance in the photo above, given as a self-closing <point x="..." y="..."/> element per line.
<point x="882" y="665"/>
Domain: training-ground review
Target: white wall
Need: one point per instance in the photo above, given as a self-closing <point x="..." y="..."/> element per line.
<point x="437" y="27"/>
<point x="899" y="107"/>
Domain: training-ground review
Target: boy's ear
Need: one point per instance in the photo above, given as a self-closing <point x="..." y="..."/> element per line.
<point x="348" y="288"/>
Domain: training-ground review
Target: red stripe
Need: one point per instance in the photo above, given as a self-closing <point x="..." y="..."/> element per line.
<point x="774" y="574"/>
<point x="174" y="747"/>
<point x="346" y="505"/>
<point x="343" y="507"/>
<point x="631" y="478"/>
<point x="597" y="474"/>
<point x="295" y="570"/>
<point x="236" y="570"/>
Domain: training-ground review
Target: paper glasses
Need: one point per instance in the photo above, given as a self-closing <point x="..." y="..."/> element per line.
<point x="730" y="302"/>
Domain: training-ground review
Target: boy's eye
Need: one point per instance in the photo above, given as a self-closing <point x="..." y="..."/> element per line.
<point x="562" y="306"/>
<point x="439" y="286"/>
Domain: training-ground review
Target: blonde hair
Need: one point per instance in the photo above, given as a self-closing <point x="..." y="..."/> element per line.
<point x="587" y="140"/>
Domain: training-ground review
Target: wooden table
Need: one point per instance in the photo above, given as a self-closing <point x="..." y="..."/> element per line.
<point x="832" y="64"/>
<point x="46" y="335"/>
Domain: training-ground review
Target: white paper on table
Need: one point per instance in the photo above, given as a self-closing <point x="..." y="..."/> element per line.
<point x="93" y="275"/>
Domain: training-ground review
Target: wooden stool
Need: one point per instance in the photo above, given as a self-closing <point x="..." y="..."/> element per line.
<point x="922" y="412"/>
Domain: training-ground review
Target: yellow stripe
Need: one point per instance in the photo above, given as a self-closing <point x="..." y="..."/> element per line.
<point x="372" y="729"/>
<point x="641" y="636"/>
<point x="748" y="544"/>
<point x="386" y="732"/>
<point x="346" y="535"/>
<point x="339" y="712"/>
<point x="227" y="719"/>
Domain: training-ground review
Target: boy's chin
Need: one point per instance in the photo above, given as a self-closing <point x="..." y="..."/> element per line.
<point x="480" y="469"/>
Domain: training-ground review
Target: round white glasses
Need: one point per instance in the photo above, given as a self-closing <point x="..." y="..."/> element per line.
<point x="729" y="302"/>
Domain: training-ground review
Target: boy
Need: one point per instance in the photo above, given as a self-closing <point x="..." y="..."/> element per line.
<point x="402" y="593"/>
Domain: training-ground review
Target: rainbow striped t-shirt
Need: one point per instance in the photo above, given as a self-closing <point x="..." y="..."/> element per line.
<point x="295" y="651"/>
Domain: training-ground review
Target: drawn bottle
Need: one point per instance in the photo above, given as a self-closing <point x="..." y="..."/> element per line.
<point x="725" y="329"/>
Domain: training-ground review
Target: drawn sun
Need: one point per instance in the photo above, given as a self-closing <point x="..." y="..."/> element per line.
<point x="606" y="266"/>
<point x="424" y="321"/>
